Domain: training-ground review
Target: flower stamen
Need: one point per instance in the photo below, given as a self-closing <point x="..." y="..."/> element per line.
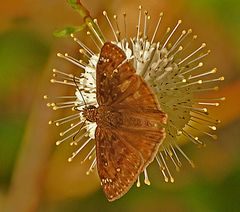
<point x="184" y="155"/>
<point x="162" y="168"/>
<point x="101" y="32"/>
<point x="111" y="26"/>
<point x="72" y="126"/>
<point x="191" y="69"/>
<point x="88" y="50"/>
<point x="169" y="153"/>
<point x="166" y="167"/>
<point x="66" y="138"/>
<point x="118" y="32"/>
<point x="198" y="58"/>
<point x="195" y="140"/>
<point x="93" y="40"/>
<point x="157" y="27"/>
<point x="89" y="155"/>
<point x="71" y="59"/>
<point x="74" y="154"/>
<point x="79" y="139"/>
<point x="139" y="22"/>
<point x="176" y="156"/>
<point x="146" y="179"/>
<point x="146" y="19"/>
<point x="92" y="166"/>
<point x="138" y="182"/>
<point x="192" y="54"/>
<point x="175" y="28"/>
<point x="66" y="119"/>
<point x="203" y="132"/>
<point x="178" y="41"/>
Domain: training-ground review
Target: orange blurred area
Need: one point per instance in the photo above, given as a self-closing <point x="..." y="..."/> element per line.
<point x="35" y="174"/>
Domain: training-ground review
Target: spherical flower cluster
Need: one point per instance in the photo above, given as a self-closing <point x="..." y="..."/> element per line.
<point x="175" y="78"/>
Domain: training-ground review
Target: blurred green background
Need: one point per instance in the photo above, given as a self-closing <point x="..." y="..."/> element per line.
<point x="34" y="175"/>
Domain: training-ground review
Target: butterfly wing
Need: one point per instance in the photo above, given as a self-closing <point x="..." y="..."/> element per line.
<point x="121" y="88"/>
<point x="142" y="120"/>
<point x="108" y="77"/>
<point x="118" y="163"/>
<point x="138" y="137"/>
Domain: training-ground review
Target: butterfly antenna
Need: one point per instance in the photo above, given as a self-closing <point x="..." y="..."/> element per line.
<point x="74" y="79"/>
<point x="74" y="137"/>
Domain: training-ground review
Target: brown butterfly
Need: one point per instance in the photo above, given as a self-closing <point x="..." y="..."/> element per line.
<point x="129" y="122"/>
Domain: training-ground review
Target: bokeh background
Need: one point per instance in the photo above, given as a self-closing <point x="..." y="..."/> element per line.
<point x="35" y="175"/>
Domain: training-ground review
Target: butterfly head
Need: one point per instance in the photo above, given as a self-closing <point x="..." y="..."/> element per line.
<point x="90" y="113"/>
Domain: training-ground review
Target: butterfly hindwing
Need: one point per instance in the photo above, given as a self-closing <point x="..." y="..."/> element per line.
<point x="118" y="163"/>
<point x="142" y="119"/>
<point x="145" y="141"/>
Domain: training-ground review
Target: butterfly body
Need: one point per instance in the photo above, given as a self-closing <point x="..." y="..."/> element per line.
<point x="129" y="122"/>
<point x="103" y="116"/>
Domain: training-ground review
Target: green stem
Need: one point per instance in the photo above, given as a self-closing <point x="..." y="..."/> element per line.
<point x="88" y="20"/>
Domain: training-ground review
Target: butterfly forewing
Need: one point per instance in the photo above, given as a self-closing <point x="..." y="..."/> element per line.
<point x="110" y="81"/>
<point x="130" y="143"/>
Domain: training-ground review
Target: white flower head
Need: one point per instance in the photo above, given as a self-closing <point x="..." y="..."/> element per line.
<point x="175" y="78"/>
